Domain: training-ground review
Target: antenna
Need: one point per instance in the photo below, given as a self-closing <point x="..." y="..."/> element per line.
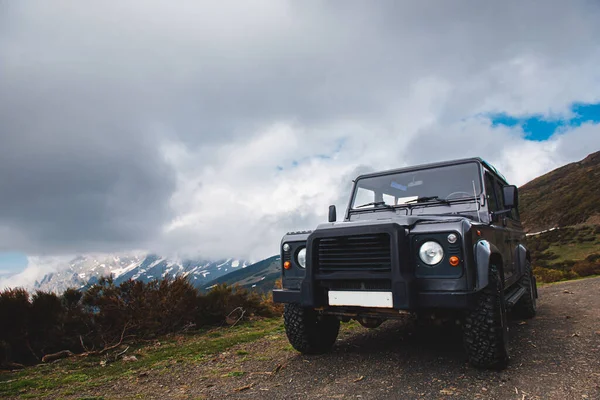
<point x="476" y="202"/>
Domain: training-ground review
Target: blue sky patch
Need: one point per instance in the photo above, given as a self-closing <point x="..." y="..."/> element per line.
<point x="339" y="144"/>
<point x="12" y="262"/>
<point x="539" y="128"/>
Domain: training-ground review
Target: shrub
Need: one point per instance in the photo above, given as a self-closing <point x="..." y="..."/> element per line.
<point x="14" y="313"/>
<point x="586" y="268"/>
<point x="548" y="275"/>
<point x="43" y="323"/>
<point x="594" y="257"/>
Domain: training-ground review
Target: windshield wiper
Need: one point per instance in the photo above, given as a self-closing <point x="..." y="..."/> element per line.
<point x="428" y="199"/>
<point x="375" y="204"/>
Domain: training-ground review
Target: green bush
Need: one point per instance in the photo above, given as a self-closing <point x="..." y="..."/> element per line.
<point x="548" y="275"/>
<point x="43" y="323"/>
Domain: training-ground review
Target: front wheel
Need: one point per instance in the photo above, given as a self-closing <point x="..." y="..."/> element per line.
<point x="309" y="332"/>
<point x="486" y="327"/>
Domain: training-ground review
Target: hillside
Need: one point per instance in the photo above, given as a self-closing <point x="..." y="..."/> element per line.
<point x="567" y="196"/>
<point x="259" y="276"/>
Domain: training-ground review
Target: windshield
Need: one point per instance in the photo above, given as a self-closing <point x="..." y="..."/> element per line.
<point x="449" y="182"/>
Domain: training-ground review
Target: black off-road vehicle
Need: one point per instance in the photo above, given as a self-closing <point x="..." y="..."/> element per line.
<point x="441" y="238"/>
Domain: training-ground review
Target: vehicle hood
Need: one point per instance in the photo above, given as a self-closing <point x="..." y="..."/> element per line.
<point x="407" y="221"/>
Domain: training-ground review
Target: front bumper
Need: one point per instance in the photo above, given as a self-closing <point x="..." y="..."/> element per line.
<point x="327" y="270"/>
<point x="424" y="300"/>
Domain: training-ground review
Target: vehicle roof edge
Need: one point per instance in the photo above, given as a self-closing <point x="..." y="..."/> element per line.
<point x="433" y="165"/>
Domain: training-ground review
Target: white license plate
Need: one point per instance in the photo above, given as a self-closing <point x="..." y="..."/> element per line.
<point x="360" y="298"/>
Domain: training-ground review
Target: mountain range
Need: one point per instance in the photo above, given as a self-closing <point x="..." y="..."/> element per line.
<point x="85" y="270"/>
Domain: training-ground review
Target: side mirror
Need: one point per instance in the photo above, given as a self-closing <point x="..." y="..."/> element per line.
<point x="332" y="214"/>
<point x="511" y="196"/>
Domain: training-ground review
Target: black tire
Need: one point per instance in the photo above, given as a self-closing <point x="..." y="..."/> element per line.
<point x="485" y="331"/>
<point x="309" y="332"/>
<point x="526" y="307"/>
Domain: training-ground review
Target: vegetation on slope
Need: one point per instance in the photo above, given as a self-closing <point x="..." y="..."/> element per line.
<point x="564" y="197"/>
<point x="566" y="253"/>
<point x="260" y="276"/>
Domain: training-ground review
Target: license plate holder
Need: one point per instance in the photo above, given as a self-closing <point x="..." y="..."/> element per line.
<point x="360" y="298"/>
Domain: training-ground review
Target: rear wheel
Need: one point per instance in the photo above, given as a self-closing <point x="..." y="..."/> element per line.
<point x="526" y="307"/>
<point x="486" y="327"/>
<point x="309" y="332"/>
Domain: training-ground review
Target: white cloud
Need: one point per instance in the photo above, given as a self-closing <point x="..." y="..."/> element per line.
<point x="37" y="267"/>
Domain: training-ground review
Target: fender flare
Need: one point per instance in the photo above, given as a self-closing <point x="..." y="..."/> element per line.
<point x="483" y="252"/>
<point x="522" y="257"/>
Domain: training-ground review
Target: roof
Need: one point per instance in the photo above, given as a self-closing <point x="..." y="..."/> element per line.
<point x="434" y="165"/>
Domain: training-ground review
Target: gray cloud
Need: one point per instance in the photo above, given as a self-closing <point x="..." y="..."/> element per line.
<point x="92" y="94"/>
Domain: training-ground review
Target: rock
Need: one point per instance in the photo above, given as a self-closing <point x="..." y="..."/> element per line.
<point x="129" y="359"/>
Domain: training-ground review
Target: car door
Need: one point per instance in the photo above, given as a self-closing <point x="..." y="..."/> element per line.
<point x="517" y="239"/>
<point x="506" y="235"/>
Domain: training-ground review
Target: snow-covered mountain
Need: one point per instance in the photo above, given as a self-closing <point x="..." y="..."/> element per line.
<point x="87" y="269"/>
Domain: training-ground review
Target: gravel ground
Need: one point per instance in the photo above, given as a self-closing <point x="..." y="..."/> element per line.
<point x="554" y="356"/>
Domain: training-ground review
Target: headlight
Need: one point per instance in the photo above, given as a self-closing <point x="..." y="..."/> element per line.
<point x="301" y="258"/>
<point x="431" y="253"/>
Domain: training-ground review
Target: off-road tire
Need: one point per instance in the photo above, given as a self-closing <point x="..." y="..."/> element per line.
<point x="526" y="307"/>
<point x="485" y="330"/>
<point x="309" y="332"/>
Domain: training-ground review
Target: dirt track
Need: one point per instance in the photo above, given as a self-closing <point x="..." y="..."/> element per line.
<point x="554" y="356"/>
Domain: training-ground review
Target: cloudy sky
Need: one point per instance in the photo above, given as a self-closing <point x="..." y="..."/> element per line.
<point x="213" y="128"/>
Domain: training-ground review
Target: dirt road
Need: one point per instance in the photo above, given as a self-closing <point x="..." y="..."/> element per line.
<point x="554" y="356"/>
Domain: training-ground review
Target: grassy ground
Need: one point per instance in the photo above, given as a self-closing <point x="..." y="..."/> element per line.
<point x="575" y="251"/>
<point x="542" y="284"/>
<point x="566" y="253"/>
<point x="67" y="377"/>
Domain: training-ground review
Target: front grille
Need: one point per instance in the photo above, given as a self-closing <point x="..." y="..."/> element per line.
<point x="352" y="253"/>
<point x="377" y="284"/>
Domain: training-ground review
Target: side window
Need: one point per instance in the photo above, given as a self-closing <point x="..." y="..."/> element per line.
<point x="499" y="195"/>
<point x="515" y="214"/>
<point x="489" y="190"/>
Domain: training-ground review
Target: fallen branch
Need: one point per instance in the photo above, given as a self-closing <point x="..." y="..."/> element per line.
<point x="57" y="356"/>
<point x="121" y="353"/>
<point x="68" y="353"/>
<point x="109" y="348"/>
<point x="230" y="321"/>
<point x="11" y="366"/>
<point x="83" y="345"/>
<point x="188" y="326"/>
<point x="241" y="389"/>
